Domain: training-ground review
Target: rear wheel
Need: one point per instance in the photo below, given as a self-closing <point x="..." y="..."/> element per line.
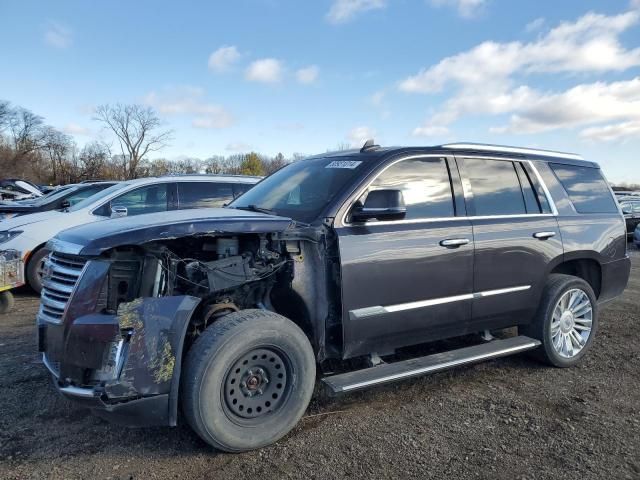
<point x="35" y="269"/>
<point x="566" y="321"/>
<point x="247" y="380"/>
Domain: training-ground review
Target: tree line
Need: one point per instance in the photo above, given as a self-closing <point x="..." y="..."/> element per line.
<point x="33" y="150"/>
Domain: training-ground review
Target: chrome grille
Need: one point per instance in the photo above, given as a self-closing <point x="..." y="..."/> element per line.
<point x="61" y="274"/>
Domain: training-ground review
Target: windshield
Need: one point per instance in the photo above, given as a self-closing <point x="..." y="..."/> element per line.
<point x="87" y="202"/>
<point x="53" y="196"/>
<point x="301" y="190"/>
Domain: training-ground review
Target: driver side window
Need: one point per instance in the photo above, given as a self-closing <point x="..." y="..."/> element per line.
<point x="425" y="185"/>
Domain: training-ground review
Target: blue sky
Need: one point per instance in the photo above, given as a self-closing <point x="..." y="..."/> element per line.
<point x="290" y="76"/>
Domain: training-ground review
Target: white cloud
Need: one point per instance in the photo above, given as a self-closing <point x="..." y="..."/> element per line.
<point x="430" y="131"/>
<point x="634" y="4"/>
<point x="534" y="25"/>
<point x="58" y="36"/>
<point x="239" y="147"/>
<point x="613" y="132"/>
<point x="190" y="101"/>
<point x="588" y="45"/>
<point x="487" y="80"/>
<point x="266" y="70"/>
<point x="377" y="98"/>
<point x="308" y="74"/>
<point x="581" y="105"/>
<point x="344" y="10"/>
<point x="75" y="129"/>
<point x="465" y="8"/>
<point x="224" y="58"/>
<point x="358" y="135"/>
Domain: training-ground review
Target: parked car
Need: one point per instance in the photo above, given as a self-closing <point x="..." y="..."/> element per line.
<point x="230" y="312"/>
<point x="630" y="207"/>
<point x="18" y="189"/>
<point x="29" y="233"/>
<point x="56" y="200"/>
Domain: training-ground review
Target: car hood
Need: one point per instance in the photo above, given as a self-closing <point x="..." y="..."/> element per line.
<point x="95" y="238"/>
<point x="23" y="220"/>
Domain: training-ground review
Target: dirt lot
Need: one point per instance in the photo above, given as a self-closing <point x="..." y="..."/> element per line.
<point x="511" y="418"/>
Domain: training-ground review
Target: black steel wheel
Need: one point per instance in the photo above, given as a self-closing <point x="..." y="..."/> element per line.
<point x="247" y="380"/>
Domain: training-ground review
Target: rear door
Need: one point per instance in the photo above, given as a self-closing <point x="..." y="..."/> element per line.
<point x="516" y="236"/>
<point x="204" y="194"/>
<point x="401" y="283"/>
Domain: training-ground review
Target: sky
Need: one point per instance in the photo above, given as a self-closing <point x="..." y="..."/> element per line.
<point x="304" y="77"/>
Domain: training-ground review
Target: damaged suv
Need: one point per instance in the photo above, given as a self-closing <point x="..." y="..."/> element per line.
<point x="230" y="313"/>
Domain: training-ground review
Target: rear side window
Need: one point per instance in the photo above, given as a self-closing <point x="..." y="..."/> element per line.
<point x="425" y="186"/>
<point x="496" y="188"/>
<point x="586" y="188"/>
<point x="203" y="194"/>
<point x="240" y="188"/>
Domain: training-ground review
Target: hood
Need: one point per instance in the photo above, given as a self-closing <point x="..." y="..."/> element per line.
<point x="95" y="238"/>
<point x="22" y="220"/>
<point x="20" y="208"/>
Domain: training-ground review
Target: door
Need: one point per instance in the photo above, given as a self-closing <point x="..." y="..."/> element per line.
<point x="408" y="281"/>
<point x="516" y="237"/>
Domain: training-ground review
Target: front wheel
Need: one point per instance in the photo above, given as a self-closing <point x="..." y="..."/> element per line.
<point x="35" y="269"/>
<point x="566" y="321"/>
<point x="247" y="380"/>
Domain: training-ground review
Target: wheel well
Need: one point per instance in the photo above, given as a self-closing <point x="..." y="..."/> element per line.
<point x="586" y="268"/>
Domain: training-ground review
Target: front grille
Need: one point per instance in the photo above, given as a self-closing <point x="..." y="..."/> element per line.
<point x="61" y="274"/>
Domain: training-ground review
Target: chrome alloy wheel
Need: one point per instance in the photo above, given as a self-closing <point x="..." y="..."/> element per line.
<point x="571" y="323"/>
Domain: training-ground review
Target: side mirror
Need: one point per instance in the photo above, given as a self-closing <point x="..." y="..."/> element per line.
<point x="381" y="205"/>
<point x="626" y="209"/>
<point x="118" y="211"/>
<point x="65" y="204"/>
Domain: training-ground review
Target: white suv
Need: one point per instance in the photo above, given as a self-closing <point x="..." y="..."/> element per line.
<point x="28" y="234"/>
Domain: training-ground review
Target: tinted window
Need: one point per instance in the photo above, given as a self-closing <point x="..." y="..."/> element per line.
<point x="586" y="187"/>
<point x="149" y="199"/>
<point x="203" y="194"/>
<point x="240" y="188"/>
<point x="531" y="200"/>
<point x="495" y="186"/>
<point x="425" y="186"/>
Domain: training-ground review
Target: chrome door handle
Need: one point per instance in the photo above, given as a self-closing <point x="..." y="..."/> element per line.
<point x="454" y="242"/>
<point x="544" y="235"/>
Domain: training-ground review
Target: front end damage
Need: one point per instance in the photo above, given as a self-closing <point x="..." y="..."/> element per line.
<point x="113" y="328"/>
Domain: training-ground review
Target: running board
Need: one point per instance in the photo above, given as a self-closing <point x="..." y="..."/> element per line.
<point x="391" y="372"/>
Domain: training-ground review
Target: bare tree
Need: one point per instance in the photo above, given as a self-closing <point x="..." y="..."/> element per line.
<point x="136" y="128"/>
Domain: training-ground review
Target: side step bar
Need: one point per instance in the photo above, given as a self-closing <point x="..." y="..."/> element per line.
<point x="391" y="372"/>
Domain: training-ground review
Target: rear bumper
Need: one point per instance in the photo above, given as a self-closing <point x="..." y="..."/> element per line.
<point x="615" y="276"/>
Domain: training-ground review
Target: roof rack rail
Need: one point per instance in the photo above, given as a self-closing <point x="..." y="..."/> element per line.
<point x="501" y="148"/>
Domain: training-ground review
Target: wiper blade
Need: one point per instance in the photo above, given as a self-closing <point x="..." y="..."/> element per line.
<point x="256" y="208"/>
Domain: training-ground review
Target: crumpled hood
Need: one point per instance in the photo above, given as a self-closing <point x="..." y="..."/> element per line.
<point x="95" y="238"/>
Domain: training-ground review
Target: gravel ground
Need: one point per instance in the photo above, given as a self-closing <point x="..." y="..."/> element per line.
<point x="510" y="418"/>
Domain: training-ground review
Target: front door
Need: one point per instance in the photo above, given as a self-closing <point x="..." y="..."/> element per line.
<point x="408" y="281"/>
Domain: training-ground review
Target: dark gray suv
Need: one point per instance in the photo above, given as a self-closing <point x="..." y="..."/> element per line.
<point x="232" y="312"/>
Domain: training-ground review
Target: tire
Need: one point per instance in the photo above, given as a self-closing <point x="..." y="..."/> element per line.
<point x="545" y="328"/>
<point x="34" y="269"/>
<point x="247" y="380"/>
<point x="6" y="301"/>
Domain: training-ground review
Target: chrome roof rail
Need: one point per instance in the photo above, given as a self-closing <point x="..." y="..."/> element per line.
<point x="502" y="148"/>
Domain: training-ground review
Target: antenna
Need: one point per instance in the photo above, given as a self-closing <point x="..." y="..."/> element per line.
<point x="369" y="145"/>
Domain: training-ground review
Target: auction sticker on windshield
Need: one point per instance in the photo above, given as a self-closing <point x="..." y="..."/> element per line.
<point x="343" y="164"/>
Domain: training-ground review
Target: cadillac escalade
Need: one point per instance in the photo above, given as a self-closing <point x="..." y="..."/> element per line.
<point x="349" y="259"/>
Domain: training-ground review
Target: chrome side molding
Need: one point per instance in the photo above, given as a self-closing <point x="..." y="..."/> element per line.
<point x="365" y="312"/>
